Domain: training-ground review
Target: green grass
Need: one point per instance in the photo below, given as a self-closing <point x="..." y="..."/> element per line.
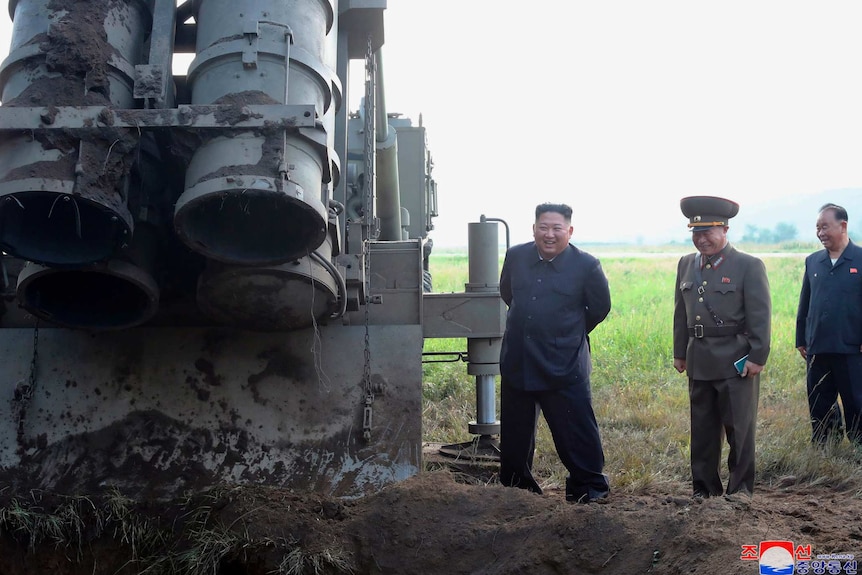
<point x="188" y="536"/>
<point x="641" y="402"/>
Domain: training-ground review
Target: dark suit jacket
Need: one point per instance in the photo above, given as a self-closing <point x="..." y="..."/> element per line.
<point x="553" y="305"/>
<point x="829" y="317"/>
<point x="738" y="291"/>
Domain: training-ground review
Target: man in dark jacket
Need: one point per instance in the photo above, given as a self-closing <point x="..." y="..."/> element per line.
<point x="829" y="329"/>
<point x="721" y="338"/>
<point x="556" y="295"/>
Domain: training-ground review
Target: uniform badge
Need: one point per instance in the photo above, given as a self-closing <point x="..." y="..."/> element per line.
<point x="725" y="280"/>
<point x="854" y="271"/>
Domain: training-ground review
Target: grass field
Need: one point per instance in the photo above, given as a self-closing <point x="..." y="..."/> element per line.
<point x="641" y="402"/>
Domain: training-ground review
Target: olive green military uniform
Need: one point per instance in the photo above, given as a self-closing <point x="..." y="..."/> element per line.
<point x="735" y="286"/>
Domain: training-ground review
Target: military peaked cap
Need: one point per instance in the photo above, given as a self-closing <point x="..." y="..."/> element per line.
<point x="704" y="212"/>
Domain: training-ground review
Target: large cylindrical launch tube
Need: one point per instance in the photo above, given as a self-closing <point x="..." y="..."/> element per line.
<point x="253" y="198"/>
<point x="285" y="297"/>
<point x="118" y="293"/>
<point x="62" y="199"/>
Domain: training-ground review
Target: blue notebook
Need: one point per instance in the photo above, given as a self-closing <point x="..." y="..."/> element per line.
<point x="739" y="364"/>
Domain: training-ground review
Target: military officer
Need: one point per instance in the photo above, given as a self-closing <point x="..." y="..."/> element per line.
<point x="721" y="339"/>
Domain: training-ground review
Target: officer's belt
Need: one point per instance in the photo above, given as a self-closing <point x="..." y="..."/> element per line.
<point x="699" y="331"/>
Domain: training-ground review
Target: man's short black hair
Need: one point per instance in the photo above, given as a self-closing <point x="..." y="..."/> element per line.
<point x="840" y="213"/>
<point x="561" y="209"/>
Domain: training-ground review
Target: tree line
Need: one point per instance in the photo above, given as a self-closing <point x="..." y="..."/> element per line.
<point x="782" y="232"/>
<point x="785" y="232"/>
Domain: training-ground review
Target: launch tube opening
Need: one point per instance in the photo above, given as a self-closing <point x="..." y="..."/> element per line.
<point x="60" y="229"/>
<point x="250" y="226"/>
<point x="115" y="296"/>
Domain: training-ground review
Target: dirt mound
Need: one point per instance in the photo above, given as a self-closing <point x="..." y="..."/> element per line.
<point x="437" y="522"/>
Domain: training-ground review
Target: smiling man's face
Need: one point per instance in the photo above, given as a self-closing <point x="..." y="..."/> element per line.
<point x="830" y="231"/>
<point x="710" y="241"/>
<point x="552" y="234"/>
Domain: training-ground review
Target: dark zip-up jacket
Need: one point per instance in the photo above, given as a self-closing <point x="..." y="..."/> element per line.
<point x="553" y="305"/>
<point x="829" y="317"/>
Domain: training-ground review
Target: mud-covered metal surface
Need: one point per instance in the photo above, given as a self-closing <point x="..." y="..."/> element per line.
<point x="69" y="54"/>
<point x="157" y="412"/>
<point x="89" y="121"/>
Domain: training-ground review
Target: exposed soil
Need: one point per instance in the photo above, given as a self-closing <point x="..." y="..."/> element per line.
<point x="441" y="521"/>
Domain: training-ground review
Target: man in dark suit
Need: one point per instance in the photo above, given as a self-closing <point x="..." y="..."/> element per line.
<point x="721" y="338"/>
<point x="829" y="329"/>
<point x="556" y="295"/>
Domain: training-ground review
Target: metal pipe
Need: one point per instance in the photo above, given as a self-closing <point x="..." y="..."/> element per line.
<point x="483" y="257"/>
<point x="386" y="151"/>
<point x="484" y="353"/>
<point x="483" y="219"/>
<point x="381" y="119"/>
<point x="486" y="408"/>
<point x="339" y="282"/>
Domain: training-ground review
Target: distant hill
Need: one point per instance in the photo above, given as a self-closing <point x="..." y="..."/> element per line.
<point x="801" y="212"/>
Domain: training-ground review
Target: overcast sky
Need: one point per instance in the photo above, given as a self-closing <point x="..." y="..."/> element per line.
<point x="622" y="107"/>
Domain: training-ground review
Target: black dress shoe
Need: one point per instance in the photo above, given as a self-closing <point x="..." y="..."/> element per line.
<point x="588" y="496"/>
<point x="600" y="498"/>
<point x="580" y="493"/>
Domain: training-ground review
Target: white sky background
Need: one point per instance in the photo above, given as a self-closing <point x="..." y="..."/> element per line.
<point x="622" y="107"/>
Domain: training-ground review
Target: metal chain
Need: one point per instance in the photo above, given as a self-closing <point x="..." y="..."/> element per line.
<point x="370" y="110"/>
<point x="24" y="391"/>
